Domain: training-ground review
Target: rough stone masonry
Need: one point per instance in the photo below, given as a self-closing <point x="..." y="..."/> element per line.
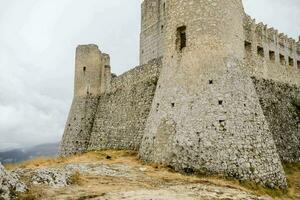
<point x="215" y="93"/>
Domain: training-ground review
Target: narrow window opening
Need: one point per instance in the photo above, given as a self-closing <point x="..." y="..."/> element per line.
<point x="84" y="69"/>
<point x="222" y="125"/>
<point x="162" y="28"/>
<point x="220" y="102"/>
<point x="260" y="51"/>
<point x="173" y="105"/>
<point x="282" y="59"/>
<point x="291" y="61"/>
<point x="164" y="7"/>
<point x="298" y="64"/>
<point x="248" y="47"/>
<point x="181" y="38"/>
<point x="272" y="56"/>
<point x="211" y="82"/>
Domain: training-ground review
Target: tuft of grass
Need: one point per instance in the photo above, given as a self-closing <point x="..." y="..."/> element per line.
<point x="291" y="168"/>
<point x="32" y="194"/>
<point x="76" y="179"/>
<point x="292" y="171"/>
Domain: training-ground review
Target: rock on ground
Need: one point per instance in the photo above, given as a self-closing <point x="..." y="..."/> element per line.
<point x="10" y="184"/>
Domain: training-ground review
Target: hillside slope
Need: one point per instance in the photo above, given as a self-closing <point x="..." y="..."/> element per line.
<point x="120" y="175"/>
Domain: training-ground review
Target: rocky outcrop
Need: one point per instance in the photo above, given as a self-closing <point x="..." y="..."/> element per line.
<point x="10" y="184"/>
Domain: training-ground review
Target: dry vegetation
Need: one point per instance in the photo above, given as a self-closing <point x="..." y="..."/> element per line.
<point x="87" y="186"/>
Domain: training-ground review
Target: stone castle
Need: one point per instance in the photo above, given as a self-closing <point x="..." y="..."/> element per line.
<point x="215" y="93"/>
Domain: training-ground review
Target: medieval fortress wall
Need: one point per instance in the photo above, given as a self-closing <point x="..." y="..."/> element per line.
<point x="122" y="113"/>
<point x="108" y="111"/>
<point x="215" y="93"/>
<point x="270" y="54"/>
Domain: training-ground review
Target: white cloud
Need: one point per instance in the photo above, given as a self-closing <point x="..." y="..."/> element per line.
<point x="37" y="44"/>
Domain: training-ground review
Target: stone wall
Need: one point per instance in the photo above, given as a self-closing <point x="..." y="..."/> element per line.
<point x="122" y="113"/>
<point x="278" y="101"/>
<point x="79" y="125"/>
<point x="271" y="55"/>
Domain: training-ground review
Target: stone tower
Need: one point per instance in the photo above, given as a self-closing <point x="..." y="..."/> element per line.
<point x="152" y="30"/>
<point x="88" y="71"/>
<point x="206" y="115"/>
<point x="92" y="78"/>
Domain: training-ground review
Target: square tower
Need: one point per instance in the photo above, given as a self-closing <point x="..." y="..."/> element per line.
<point x="152" y="29"/>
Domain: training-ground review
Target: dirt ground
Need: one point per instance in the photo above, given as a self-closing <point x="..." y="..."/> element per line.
<point x="120" y="175"/>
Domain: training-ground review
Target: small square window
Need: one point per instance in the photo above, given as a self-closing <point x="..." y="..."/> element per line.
<point x="291" y="61"/>
<point x="272" y="56"/>
<point x="248" y="47"/>
<point x="181" y="38"/>
<point x="282" y="59"/>
<point x="260" y="51"/>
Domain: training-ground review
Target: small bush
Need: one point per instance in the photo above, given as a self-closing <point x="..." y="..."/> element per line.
<point x="76" y="179"/>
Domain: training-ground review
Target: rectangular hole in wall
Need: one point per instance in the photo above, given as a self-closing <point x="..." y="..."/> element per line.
<point x="298" y="64"/>
<point x="282" y="59"/>
<point x="272" y="56"/>
<point x="248" y="46"/>
<point x="181" y="38"/>
<point x="291" y="62"/>
<point x="260" y="51"/>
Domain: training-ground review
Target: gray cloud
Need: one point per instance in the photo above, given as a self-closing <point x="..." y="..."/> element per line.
<point x="37" y="45"/>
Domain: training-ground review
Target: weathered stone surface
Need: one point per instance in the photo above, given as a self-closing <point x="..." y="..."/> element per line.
<point x="279" y="103"/>
<point x="10" y="184"/>
<point x="122" y="113"/>
<point x="79" y="125"/>
<point x="51" y="177"/>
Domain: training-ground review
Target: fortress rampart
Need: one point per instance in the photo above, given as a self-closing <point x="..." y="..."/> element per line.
<point x="270" y="54"/>
<point x="122" y="113"/>
<point x="214" y="93"/>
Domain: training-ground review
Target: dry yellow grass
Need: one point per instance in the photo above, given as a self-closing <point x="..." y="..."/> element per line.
<point x="90" y="157"/>
<point x="160" y="174"/>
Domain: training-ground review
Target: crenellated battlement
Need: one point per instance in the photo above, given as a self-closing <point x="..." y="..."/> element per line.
<point x="270" y="54"/>
<point x="269" y="34"/>
<point x="271" y="44"/>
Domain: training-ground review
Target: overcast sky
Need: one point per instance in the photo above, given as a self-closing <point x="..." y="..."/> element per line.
<point x="37" y="45"/>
